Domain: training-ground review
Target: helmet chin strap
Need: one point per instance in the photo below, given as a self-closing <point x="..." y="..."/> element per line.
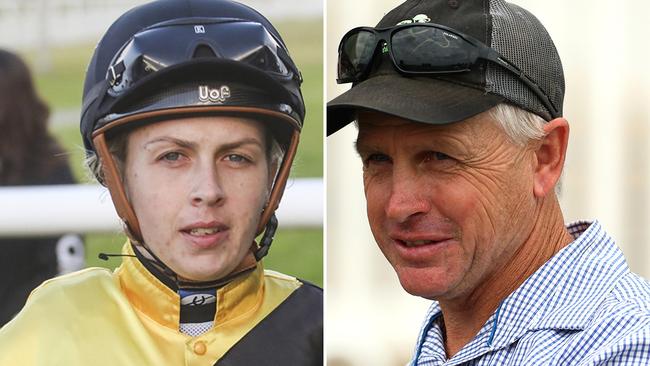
<point x="268" y="221"/>
<point x="279" y="183"/>
<point x="158" y="268"/>
<point x="267" y="238"/>
<point x="115" y="187"/>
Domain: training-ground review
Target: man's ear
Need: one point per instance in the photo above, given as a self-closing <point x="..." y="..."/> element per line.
<point x="550" y="155"/>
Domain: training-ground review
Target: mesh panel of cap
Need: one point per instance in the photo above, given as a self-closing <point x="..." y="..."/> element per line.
<point x="523" y="40"/>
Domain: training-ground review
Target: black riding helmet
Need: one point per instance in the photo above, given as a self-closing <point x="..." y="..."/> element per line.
<point x="171" y="59"/>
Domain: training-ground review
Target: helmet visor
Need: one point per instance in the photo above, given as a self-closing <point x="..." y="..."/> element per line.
<point x="174" y="42"/>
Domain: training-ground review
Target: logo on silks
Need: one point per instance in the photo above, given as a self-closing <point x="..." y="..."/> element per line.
<point x="192" y="298"/>
<point x="216" y="95"/>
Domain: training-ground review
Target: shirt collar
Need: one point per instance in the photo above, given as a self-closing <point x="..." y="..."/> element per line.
<point x="567" y="290"/>
<point x="564" y="293"/>
<point x="157" y="301"/>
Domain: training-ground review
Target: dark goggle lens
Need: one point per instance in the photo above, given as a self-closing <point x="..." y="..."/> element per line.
<point x="154" y="49"/>
<point x="251" y="43"/>
<point x="355" y="55"/>
<point x="429" y="49"/>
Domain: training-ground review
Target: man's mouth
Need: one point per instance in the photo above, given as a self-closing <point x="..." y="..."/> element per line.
<point x="417" y="243"/>
<point x="204" y="228"/>
<point x="206" y="234"/>
<point x="204" y="231"/>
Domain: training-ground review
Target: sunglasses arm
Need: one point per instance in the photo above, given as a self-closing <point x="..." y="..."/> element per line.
<point x="495" y="57"/>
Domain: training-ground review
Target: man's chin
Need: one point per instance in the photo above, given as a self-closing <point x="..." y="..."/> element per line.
<point x="428" y="283"/>
<point x="203" y="270"/>
<point x="202" y="276"/>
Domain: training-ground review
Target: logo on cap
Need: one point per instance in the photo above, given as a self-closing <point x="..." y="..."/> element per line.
<point x="217" y="95"/>
<point x="199" y="29"/>
<point x="420" y="18"/>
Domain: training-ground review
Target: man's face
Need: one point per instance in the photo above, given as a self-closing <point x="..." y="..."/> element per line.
<point x="448" y="205"/>
<point x="198" y="186"/>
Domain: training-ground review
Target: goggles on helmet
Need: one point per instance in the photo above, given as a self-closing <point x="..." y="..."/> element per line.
<point x="155" y="48"/>
<point x="422" y="49"/>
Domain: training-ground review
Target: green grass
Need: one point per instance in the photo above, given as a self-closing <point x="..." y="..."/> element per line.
<point x="304" y="40"/>
<point x="295" y="252"/>
<point x="61" y="86"/>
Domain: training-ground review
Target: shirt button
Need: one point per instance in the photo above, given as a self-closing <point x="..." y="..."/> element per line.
<point x="200" y="348"/>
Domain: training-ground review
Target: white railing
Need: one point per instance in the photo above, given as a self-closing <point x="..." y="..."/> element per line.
<point x="53" y="210"/>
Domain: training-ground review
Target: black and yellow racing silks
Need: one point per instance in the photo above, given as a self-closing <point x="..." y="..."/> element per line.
<point x="128" y="317"/>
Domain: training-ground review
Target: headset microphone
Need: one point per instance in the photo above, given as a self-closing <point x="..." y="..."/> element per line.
<point x="104" y="256"/>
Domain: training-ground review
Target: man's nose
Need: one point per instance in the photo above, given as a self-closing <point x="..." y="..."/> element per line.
<point x="206" y="187"/>
<point x="407" y="196"/>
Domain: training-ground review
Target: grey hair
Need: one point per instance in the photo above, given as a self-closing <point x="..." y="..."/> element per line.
<point x="520" y="125"/>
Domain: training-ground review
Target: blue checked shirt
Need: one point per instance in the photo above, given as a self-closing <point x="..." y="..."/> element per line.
<point x="582" y="307"/>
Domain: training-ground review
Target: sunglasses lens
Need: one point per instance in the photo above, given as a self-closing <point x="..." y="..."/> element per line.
<point x="429" y="49"/>
<point x="355" y="54"/>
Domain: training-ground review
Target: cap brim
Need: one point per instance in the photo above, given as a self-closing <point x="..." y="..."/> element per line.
<point x="421" y="99"/>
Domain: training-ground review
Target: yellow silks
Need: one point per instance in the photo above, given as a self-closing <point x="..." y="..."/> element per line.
<point x="128" y="317"/>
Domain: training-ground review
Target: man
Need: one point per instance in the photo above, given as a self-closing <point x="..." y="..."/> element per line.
<point x="461" y="135"/>
<point x="191" y="116"/>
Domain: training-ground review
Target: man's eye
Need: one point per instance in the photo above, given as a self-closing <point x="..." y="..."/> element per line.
<point x="377" y="158"/>
<point x="436" y="155"/>
<point x="236" y="158"/>
<point x="171" y="156"/>
<point x="441" y="156"/>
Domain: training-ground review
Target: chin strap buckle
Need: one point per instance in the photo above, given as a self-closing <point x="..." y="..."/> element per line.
<point x="267" y="238"/>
